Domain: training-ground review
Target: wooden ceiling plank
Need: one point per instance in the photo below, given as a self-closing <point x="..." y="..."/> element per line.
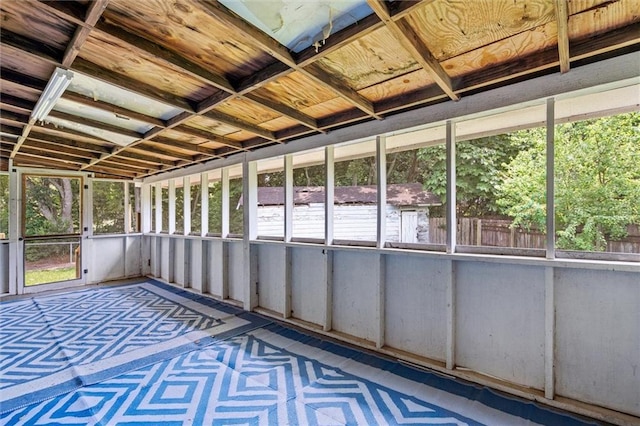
<point x="96" y="8"/>
<point x="239" y="124"/>
<point x="562" y="20"/>
<point x="57" y="148"/>
<point x="186" y="146"/>
<point x="39" y="51"/>
<point x="122" y="163"/>
<point x="69" y="11"/>
<point x="409" y="40"/>
<point x="192" y="131"/>
<point x="22" y="159"/>
<point x="35" y="152"/>
<point x="330" y="82"/>
<point x="285" y="111"/>
<point x="17" y="104"/>
<point x="13" y="118"/>
<point x="113" y="172"/>
<point x="167" y="56"/>
<point x="145" y="158"/>
<point x="151" y="149"/>
<point x="115" y="109"/>
<point x="85" y="146"/>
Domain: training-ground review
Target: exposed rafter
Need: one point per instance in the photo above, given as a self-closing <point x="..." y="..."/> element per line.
<point x="562" y="20"/>
<point x="410" y="40"/>
<point x="93" y="14"/>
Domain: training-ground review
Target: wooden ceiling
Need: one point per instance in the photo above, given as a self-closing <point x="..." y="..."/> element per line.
<point x="228" y="87"/>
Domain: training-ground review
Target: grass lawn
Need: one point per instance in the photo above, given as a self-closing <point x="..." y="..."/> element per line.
<point x="44" y="276"/>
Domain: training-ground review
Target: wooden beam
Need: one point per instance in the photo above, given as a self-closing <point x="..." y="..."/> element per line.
<point x="409" y="40"/>
<point x="98" y="146"/>
<point x="154" y="149"/>
<point x="186" y="146"/>
<point x="146" y="158"/>
<point x="82" y="32"/>
<point x="562" y="20"/>
<point x="191" y="131"/>
<point x="22" y="159"/>
<point x="16" y="104"/>
<point x="35" y="152"/>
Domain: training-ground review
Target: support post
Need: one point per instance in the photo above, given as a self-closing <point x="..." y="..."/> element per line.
<point x="127" y="209"/>
<point x="225" y="202"/>
<point x="380" y="311"/>
<point x="250" y="219"/>
<point x="288" y="198"/>
<point x="186" y="205"/>
<point x="329" y="191"/>
<point x="328" y="306"/>
<point x="451" y="315"/>
<point x="158" y="201"/>
<point x="551" y="225"/>
<point x="145" y="207"/>
<point x="15" y="267"/>
<point x="204" y="204"/>
<point x="381" y="177"/>
<point x="452" y="222"/>
<point x="171" y="226"/>
<point x="549" y="333"/>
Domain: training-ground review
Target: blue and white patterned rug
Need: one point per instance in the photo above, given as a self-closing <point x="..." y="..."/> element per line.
<point x="146" y="368"/>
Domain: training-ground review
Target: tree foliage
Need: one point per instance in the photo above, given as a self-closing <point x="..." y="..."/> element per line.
<point x="4" y="205"/>
<point x="597" y="182"/>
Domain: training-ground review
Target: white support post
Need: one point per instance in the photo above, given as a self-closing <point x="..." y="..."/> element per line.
<point x="204" y="204"/>
<point x="549" y="333"/>
<point x="329" y="191"/>
<point x="451" y="187"/>
<point x="225" y="203"/>
<point x="381" y="165"/>
<point x="127" y="208"/>
<point x="288" y="198"/>
<point x="158" y="201"/>
<point x="250" y="219"/>
<point x="288" y="233"/>
<point x="145" y="207"/>
<point x="551" y="225"/>
<point x="15" y="267"/>
<point x="328" y="306"/>
<point x="451" y="316"/>
<point x="380" y="311"/>
<point x="171" y="227"/>
<point x="186" y="204"/>
<point x="86" y="195"/>
<point x="86" y="230"/>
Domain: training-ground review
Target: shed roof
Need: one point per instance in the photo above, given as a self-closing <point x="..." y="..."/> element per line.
<point x="159" y="85"/>
<point x="407" y="194"/>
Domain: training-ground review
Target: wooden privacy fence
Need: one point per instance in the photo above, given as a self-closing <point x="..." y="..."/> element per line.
<point x="499" y="233"/>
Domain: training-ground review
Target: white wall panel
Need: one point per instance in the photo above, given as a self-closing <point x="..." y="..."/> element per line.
<point x="500" y="321"/>
<point x="236" y="267"/>
<point x="4" y="267"/>
<point x="355" y="293"/>
<point x="598" y="337"/>
<point x="179" y="260"/>
<point x="133" y="256"/>
<point x="415" y="305"/>
<point x="197" y="260"/>
<point x="308" y="284"/>
<point x="271" y="276"/>
<point x="216" y="267"/>
<point x="166" y="259"/>
<point x="107" y="259"/>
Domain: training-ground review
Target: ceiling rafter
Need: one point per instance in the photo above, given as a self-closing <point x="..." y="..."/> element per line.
<point x="94" y="123"/>
<point x="82" y="32"/>
<point x="562" y="21"/>
<point x="54" y="148"/>
<point x="281" y="53"/>
<point x="410" y="40"/>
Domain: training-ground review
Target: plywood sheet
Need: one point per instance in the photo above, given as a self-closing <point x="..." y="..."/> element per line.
<point x="398" y="86"/>
<point x="330" y="107"/>
<point x="36" y="23"/>
<point x="279" y="123"/>
<point x="246" y="110"/>
<point x="295" y="90"/>
<point x="453" y="27"/>
<point x="374" y="58"/>
<point x="212" y="126"/>
<point x="605" y="18"/>
<point x="115" y="55"/>
<point x="183" y="27"/>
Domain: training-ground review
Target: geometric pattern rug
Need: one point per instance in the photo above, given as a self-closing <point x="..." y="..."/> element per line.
<point x="255" y="372"/>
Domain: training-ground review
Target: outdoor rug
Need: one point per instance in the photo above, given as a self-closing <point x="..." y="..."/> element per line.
<point x="53" y="344"/>
<point x="210" y="364"/>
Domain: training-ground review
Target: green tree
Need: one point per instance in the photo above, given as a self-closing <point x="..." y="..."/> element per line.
<point x="597" y="182"/>
<point x="4" y="205"/>
<point x="108" y="207"/>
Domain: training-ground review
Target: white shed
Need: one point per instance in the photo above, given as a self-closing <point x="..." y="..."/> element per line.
<point x="354" y="212"/>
